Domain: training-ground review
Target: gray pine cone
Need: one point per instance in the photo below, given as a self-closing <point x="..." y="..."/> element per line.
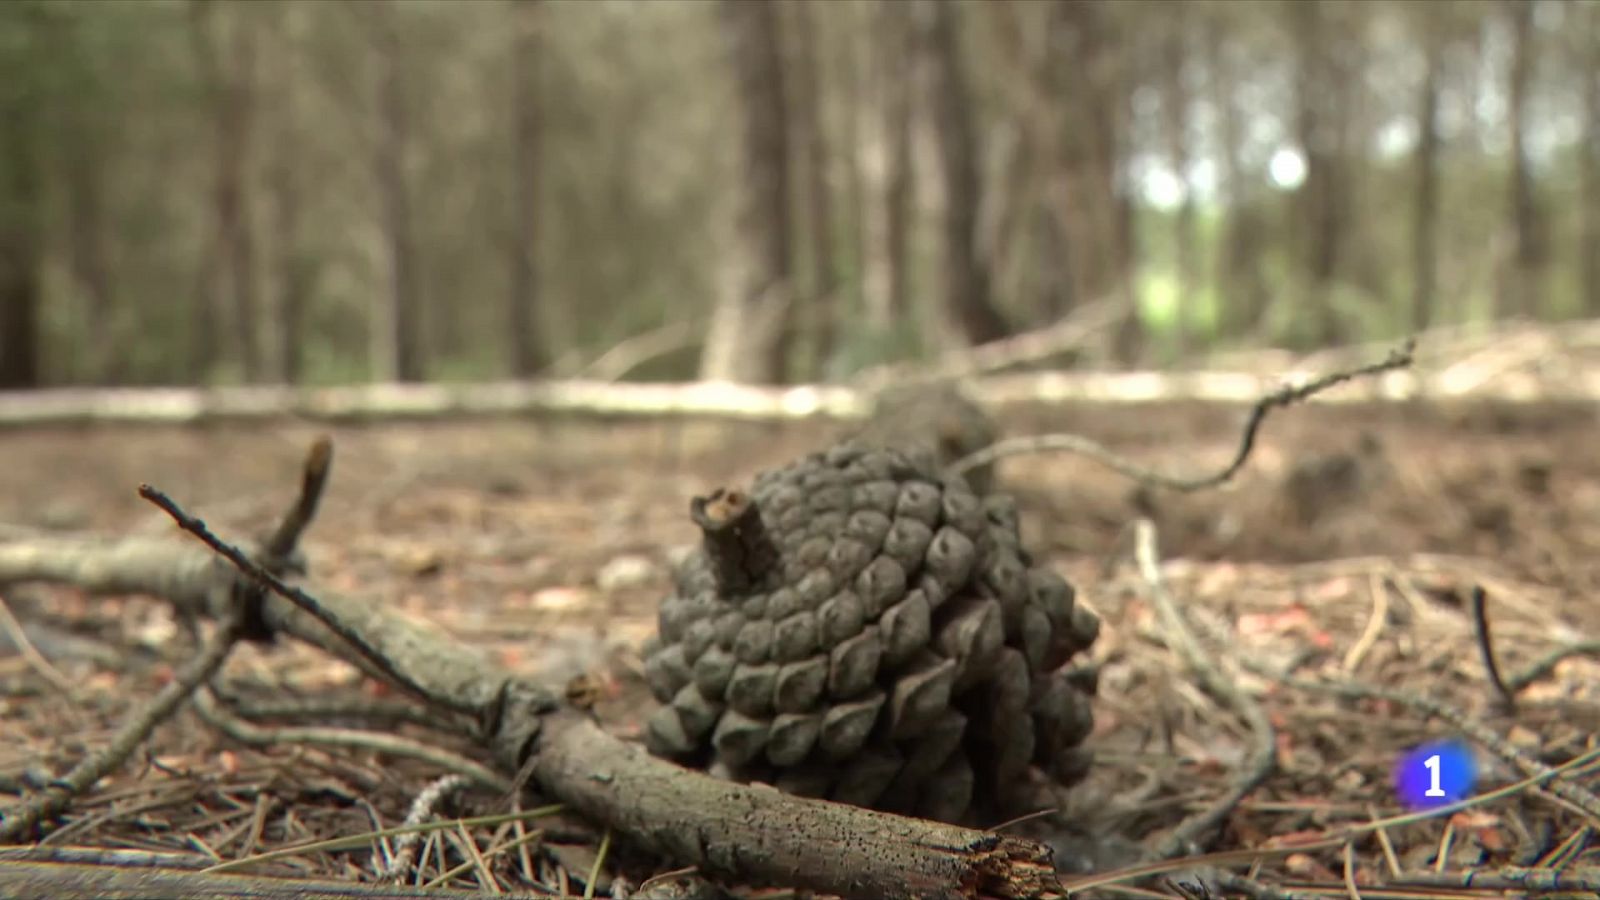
<point x="858" y="628"/>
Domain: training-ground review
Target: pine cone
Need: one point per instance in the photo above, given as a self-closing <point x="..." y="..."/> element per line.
<point x="935" y="424"/>
<point x="858" y="628"/>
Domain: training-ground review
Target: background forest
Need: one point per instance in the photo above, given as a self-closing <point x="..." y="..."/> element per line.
<point x="196" y="191"/>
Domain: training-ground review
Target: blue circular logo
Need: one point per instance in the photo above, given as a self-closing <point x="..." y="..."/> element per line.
<point x="1435" y="774"/>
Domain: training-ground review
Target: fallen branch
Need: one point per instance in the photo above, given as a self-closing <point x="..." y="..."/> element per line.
<point x="1285" y="396"/>
<point x="76" y="881"/>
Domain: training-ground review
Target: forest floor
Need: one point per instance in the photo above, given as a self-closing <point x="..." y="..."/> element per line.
<point x="1351" y="543"/>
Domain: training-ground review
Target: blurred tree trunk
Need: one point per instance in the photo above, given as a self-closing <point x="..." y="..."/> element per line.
<point x="751" y="337"/>
<point x="1030" y="259"/>
<point x="1241" y="290"/>
<point x="968" y="299"/>
<point x="1176" y="56"/>
<point x="1089" y="53"/>
<point x="1320" y="115"/>
<point x="1425" y="215"/>
<point x="226" y="45"/>
<point x="816" y="160"/>
<point x="528" y="354"/>
<point x="295" y="263"/>
<point x="79" y="130"/>
<point x="1520" y="293"/>
<point x="900" y="63"/>
<point x="884" y="161"/>
<point x="21" y="364"/>
<point x="83" y="175"/>
<point x="1589" y="161"/>
<point x="296" y="270"/>
<point x="850" y="44"/>
<point x="397" y="337"/>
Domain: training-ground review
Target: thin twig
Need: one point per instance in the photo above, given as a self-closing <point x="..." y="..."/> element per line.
<point x="361" y="841"/>
<point x="351" y="636"/>
<point x="1480" y="626"/>
<point x="331" y="708"/>
<point x="313" y="480"/>
<point x="20" y="819"/>
<point x="1385" y="844"/>
<point x="389" y="744"/>
<point x="1375" y="624"/>
<point x="31" y="654"/>
<point x="520" y="844"/>
<point x="1514" y="878"/>
<point x="594" y="870"/>
<point x="1264" y="756"/>
<point x="1349" y="859"/>
<point x="469" y="848"/>
<point x="1546" y="664"/>
<point x="1283" y="397"/>
<point x="405" y="847"/>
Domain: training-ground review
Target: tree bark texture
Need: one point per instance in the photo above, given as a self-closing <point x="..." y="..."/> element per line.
<point x="21" y="363"/>
<point x="1087" y="79"/>
<point x="968" y="299"/>
<point x="1521" y="295"/>
<point x="815" y="152"/>
<point x="1179" y="154"/>
<point x="1320" y="118"/>
<point x="753" y="336"/>
<point x="294" y="262"/>
<point x="1237" y="274"/>
<point x="901" y="73"/>
<point x="397" y="331"/>
<point x="1589" y="161"/>
<point x="528" y="354"/>
<point x="226" y="44"/>
<point x="1425" y="213"/>
<point x="82" y="163"/>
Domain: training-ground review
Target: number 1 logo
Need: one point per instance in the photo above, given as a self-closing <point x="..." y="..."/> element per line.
<point x="1435" y="774"/>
